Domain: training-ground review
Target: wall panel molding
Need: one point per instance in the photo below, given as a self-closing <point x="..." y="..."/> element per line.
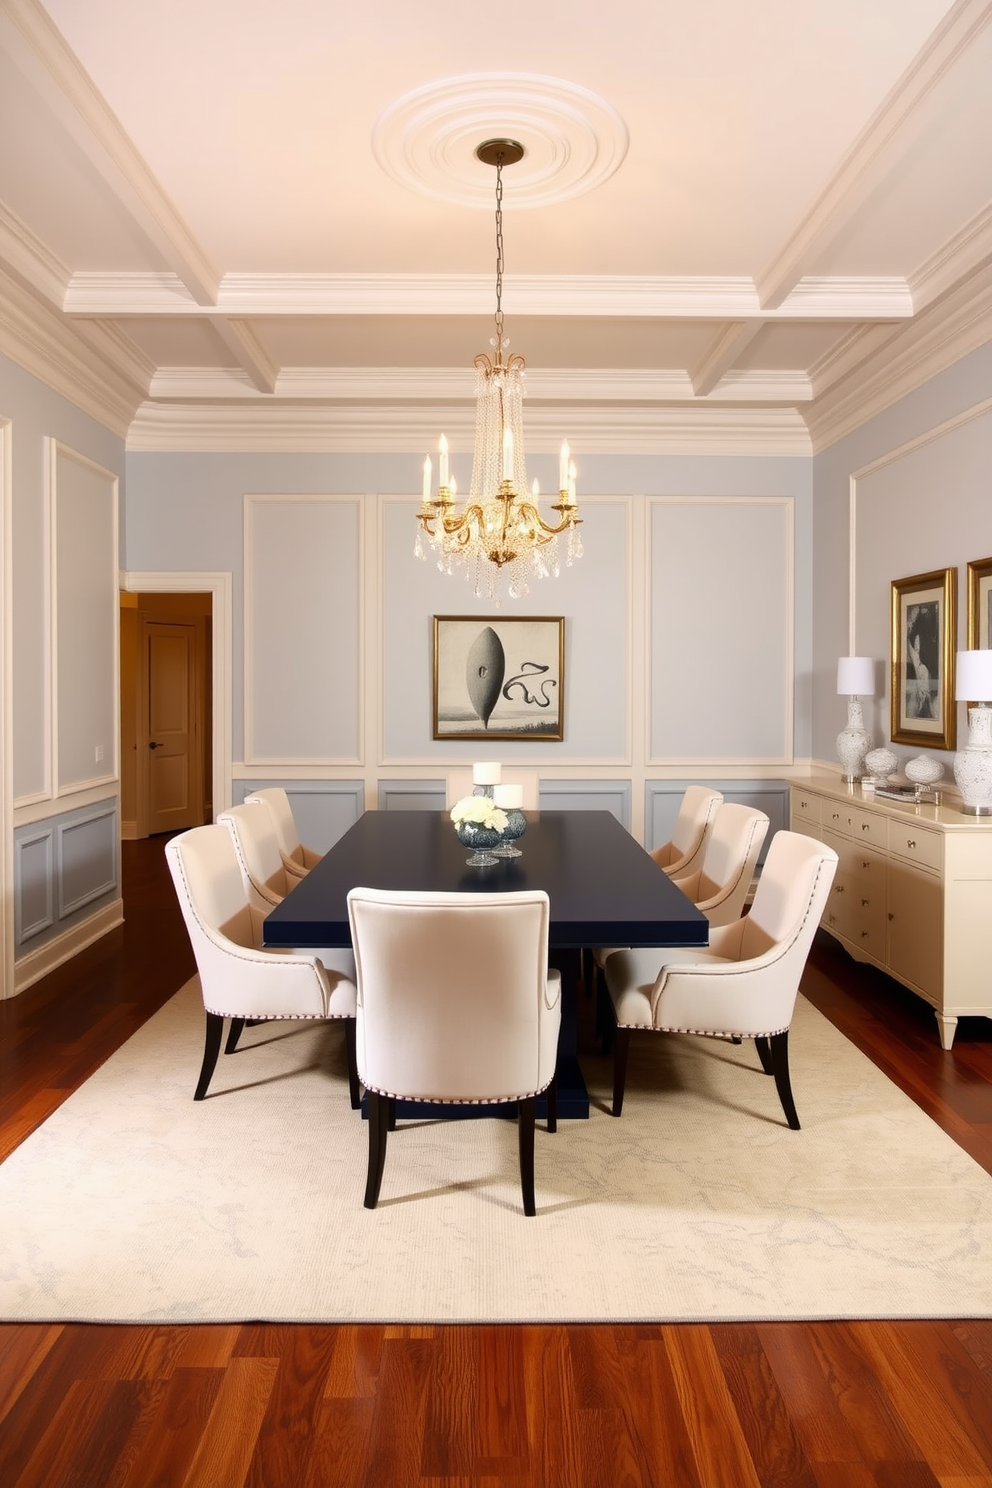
<point x="279" y="694"/>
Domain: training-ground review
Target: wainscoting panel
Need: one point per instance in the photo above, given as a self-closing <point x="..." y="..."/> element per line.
<point x="322" y="809"/>
<point x="412" y="795"/>
<point x="34" y="880"/>
<point x="66" y="870"/>
<point x="302" y="631"/>
<point x="664" y="797"/>
<point x="87" y="858"/>
<point x="588" y="795"/>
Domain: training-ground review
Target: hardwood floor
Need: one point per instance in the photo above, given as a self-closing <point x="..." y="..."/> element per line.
<point x="825" y="1405"/>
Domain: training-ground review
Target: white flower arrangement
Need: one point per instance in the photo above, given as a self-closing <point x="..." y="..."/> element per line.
<point x="481" y="811"/>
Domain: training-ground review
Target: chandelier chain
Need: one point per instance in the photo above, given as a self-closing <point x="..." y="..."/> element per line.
<point x="499" y="258"/>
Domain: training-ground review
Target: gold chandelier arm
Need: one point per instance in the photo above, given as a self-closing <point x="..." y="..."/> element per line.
<point x="530" y="513"/>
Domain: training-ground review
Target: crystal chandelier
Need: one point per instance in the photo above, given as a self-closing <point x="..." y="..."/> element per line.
<point x="498" y="528"/>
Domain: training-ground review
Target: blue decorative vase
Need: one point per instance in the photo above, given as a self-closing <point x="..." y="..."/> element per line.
<point x="516" y="826"/>
<point x="481" y="839"/>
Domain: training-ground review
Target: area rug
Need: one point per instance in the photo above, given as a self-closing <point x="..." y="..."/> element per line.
<point x="132" y="1203"/>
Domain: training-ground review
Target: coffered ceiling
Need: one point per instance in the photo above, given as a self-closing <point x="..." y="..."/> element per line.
<point x="235" y="224"/>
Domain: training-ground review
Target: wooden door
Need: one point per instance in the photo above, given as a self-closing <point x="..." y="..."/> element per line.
<point x="170" y="795"/>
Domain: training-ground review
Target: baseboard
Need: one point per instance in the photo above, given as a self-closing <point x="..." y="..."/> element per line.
<point x="129" y="831"/>
<point x="32" y="967"/>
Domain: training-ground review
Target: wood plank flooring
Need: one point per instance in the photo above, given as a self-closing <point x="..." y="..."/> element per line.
<point x="783" y="1405"/>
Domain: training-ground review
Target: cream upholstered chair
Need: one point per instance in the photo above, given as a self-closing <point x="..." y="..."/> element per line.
<point x="455" y="1005"/>
<point x="460" y="784"/>
<point x="692" y="827"/>
<point x="720" y="884"/>
<point x="744" y="985"/>
<point x="240" y="980"/>
<point x="266" y="880"/>
<point x="296" y="859"/>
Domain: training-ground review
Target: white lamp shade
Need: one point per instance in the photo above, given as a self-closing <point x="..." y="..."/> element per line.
<point x="856" y="676"/>
<point x="973" y="677"/>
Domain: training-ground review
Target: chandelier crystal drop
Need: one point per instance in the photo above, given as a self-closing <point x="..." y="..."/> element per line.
<point x="500" y="529"/>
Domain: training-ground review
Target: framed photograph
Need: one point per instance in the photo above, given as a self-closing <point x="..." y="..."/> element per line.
<point x="980" y="605"/>
<point x="924" y="612"/>
<point x="499" y="679"/>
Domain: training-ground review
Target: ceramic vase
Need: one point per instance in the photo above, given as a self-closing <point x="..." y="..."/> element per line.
<point x="973" y="764"/>
<point x="853" y="742"/>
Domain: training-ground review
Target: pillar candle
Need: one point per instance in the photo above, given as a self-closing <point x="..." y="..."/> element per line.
<point x="487" y="772"/>
<point x="510" y="797"/>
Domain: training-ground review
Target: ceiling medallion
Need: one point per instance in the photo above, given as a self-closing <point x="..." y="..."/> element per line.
<point x="572" y="139"/>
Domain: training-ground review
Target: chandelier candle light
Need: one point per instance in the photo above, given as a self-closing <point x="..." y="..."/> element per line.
<point x="499" y="527"/>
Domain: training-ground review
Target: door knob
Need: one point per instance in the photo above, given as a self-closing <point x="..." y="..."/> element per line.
<point x="153" y="745"/>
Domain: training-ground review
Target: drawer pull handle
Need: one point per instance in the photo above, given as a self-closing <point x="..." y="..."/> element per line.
<point x="864" y="905"/>
<point x="865" y="826"/>
<point x="864" y="934"/>
<point x="838" y="888"/>
<point x="836" y="816"/>
<point x="910" y="841"/>
<point x="865" y="863"/>
<point x="891" y="915"/>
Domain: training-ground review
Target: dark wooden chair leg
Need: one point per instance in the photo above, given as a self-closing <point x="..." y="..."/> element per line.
<point x="233" y="1034"/>
<point x="526" y="1110"/>
<point x="621" y="1048"/>
<point x="211" y="1048"/>
<point x="354" y="1089"/>
<point x="605" y="1019"/>
<point x="764" y="1049"/>
<point x="551" y="1096"/>
<point x="378" y="1132"/>
<point x="780" y="1069"/>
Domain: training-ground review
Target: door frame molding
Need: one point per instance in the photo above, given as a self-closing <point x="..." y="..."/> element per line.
<point x="220" y="586"/>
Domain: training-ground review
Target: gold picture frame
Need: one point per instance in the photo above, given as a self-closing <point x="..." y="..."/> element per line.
<point x="980" y="605"/>
<point x="498" y="678"/>
<point x="924" y="621"/>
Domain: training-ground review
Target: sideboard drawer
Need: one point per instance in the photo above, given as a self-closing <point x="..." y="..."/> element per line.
<point x="805" y="805"/>
<point x="908" y="840"/>
<point x="866" y="827"/>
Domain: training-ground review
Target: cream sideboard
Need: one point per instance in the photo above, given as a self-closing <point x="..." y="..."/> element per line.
<point x="912" y="893"/>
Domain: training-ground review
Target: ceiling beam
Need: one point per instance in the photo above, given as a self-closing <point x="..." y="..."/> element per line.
<point x="722" y="354"/>
<point x="41" y="53"/>
<point x="851" y="182"/>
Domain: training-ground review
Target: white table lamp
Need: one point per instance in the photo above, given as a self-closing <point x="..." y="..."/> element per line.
<point x="973" y="764"/>
<point x="855" y="680"/>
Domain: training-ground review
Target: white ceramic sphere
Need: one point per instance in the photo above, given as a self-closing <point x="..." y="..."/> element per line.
<point x="881" y="764"/>
<point x="923" y="770"/>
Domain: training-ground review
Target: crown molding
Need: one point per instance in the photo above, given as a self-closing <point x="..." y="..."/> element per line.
<point x="403" y="429"/>
<point x="252" y="296"/>
<point x="44" y="344"/>
<point x="958" y="258"/>
<point x="24" y="255"/>
<point x="441" y="385"/>
<point x="946" y="331"/>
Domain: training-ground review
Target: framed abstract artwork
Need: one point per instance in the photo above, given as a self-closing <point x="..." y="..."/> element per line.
<point x="924" y="612"/>
<point x="499" y="679"/>
<point x="980" y="605"/>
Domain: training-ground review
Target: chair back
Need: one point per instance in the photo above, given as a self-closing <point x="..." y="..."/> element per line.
<point x="258" y="855"/>
<point x="460" y="784"/>
<point x="692" y="826"/>
<point x="453" y="994"/>
<point x="276" y="802"/>
<point x="729" y="861"/>
<point x="791" y="896"/>
<point x="238" y="978"/>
